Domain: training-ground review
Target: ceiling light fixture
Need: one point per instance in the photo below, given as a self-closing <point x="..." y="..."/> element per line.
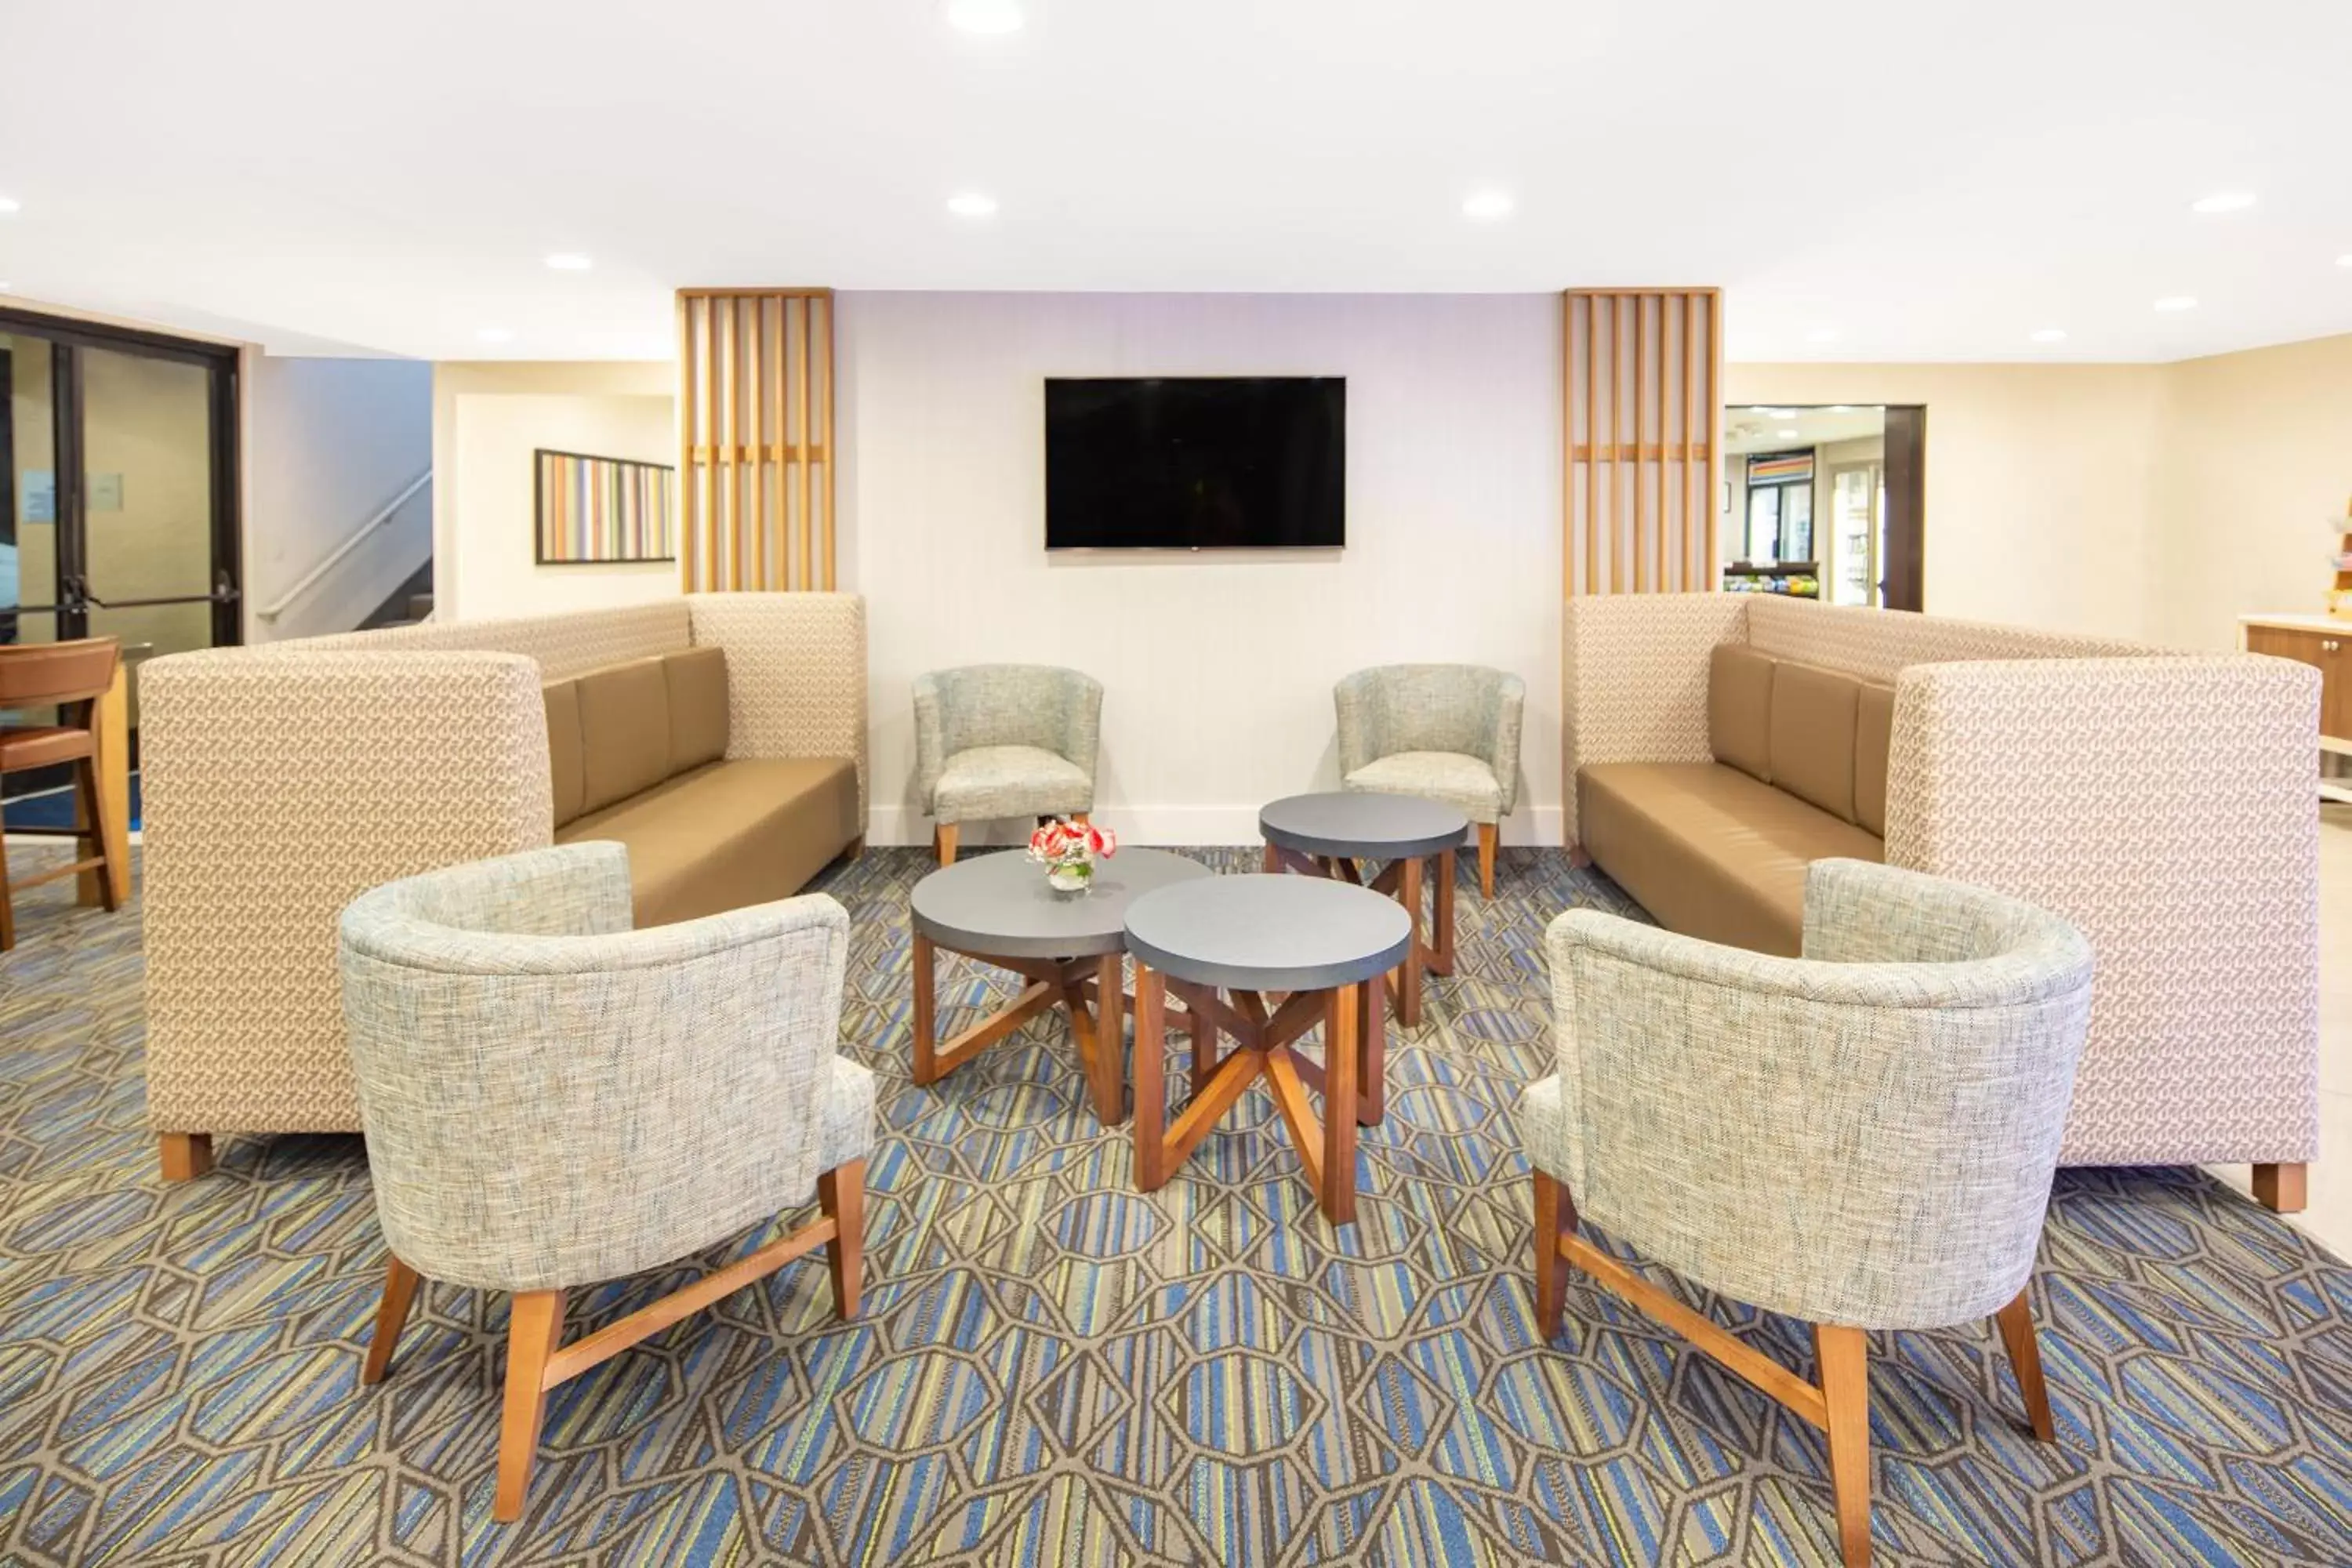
<point x="985" y="18"/>
<point x="1787" y="434"/>
<point x="1822" y="335"/>
<point x="1487" y="205"/>
<point x="973" y="204"/>
<point x="2177" y="302"/>
<point x="2223" y="202"/>
<point x="1841" y="407"/>
<point x="2344" y="260"/>
<point x="495" y="334"/>
<point x="9" y="204"/>
<point x="2048" y="335"/>
<point x="571" y="261"/>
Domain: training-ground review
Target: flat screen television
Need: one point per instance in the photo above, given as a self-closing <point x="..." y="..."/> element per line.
<point x="1196" y="463"/>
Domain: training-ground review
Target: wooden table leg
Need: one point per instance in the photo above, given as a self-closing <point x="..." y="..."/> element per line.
<point x="926" y="1010"/>
<point x="1441" y="920"/>
<point x="1345" y="1008"/>
<point x="1151" y="1092"/>
<point x="1371" y="1073"/>
<point x="1111" y="1040"/>
<point x="1409" y="973"/>
<point x="1272" y="862"/>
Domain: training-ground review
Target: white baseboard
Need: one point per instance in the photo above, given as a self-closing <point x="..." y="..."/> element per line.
<point x="1176" y="824"/>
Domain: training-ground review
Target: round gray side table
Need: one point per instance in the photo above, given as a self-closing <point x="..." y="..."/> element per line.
<point x="1264" y="959"/>
<point x="1325" y="835"/>
<point x="1070" y="947"/>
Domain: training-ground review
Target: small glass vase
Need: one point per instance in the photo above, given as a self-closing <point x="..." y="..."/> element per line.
<point x="1070" y="875"/>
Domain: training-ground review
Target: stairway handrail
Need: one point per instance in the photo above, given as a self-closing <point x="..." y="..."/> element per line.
<point x="311" y="578"/>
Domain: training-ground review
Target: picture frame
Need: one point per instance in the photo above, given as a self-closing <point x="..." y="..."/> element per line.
<point x="590" y="510"/>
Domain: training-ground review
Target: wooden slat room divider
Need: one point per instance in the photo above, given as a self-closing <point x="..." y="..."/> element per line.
<point x="1642" y="369"/>
<point x="755" y="437"/>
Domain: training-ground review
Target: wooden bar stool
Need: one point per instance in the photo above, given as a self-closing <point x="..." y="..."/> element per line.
<point x="71" y="676"/>
<point x="1285" y="952"/>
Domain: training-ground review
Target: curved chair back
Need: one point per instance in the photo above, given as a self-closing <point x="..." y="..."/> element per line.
<point x="552" y="1099"/>
<point x="1037" y="705"/>
<point x="1865" y="1135"/>
<point x="1462" y="708"/>
<point x="38" y="674"/>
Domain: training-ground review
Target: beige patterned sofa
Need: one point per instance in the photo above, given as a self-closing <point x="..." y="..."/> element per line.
<point x="282" y="780"/>
<point x="2163" y="802"/>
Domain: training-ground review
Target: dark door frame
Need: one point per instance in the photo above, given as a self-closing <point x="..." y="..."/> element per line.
<point x="67" y="338"/>
<point x="1903" y="579"/>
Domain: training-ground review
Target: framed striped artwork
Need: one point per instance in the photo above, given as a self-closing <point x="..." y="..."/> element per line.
<point x="596" y="510"/>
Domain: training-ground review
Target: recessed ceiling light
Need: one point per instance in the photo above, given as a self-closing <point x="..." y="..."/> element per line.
<point x="1487" y="205"/>
<point x="2177" y="302"/>
<point x="1822" y="335"/>
<point x="571" y="261"/>
<point x="2223" y="202"/>
<point x="2051" y="335"/>
<point x="986" y="18"/>
<point x="1787" y="434"/>
<point x="1841" y="407"/>
<point x="973" y="204"/>
<point x="495" y="334"/>
<point x="8" y="203"/>
<point x="2344" y="260"/>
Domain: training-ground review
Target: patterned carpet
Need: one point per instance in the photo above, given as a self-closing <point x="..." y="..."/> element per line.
<point x="1052" y="1369"/>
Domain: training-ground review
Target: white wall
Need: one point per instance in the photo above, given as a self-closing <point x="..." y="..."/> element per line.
<point x="2257" y="480"/>
<point x="328" y="444"/>
<point x="487" y="420"/>
<point x="1218" y="670"/>
<point x="2042" y="494"/>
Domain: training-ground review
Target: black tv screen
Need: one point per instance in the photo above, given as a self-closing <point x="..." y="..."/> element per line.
<point x="1196" y="463"/>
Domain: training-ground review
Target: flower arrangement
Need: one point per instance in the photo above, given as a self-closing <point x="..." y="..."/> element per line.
<point x="1069" y="850"/>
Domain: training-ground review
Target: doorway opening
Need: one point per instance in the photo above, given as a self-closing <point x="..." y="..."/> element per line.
<point x="1825" y="502"/>
<point x="119" y="517"/>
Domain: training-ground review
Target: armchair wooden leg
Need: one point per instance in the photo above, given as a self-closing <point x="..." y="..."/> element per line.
<point x="93" y="813"/>
<point x="533" y="1331"/>
<point x="391" y="1316"/>
<point x="2016" y="1321"/>
<point x="2281" y="1189"/>
<point x="1487" y="832"/>
<point x="8" y="914"/>
<point x="1555" y="1212"/>
<point x="841" y="1194"/>
<point x="943" y="839"/>
<point x="186" y="1155"/>
<point x="1844" y="1355"/>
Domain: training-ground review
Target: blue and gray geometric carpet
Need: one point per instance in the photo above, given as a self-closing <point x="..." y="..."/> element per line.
<point x="1053" y="1370"/>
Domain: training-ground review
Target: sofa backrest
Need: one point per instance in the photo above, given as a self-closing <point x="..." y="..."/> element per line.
<point x="619" y="730"/>
<point x="1876" y="644"/>
<point x="564" y="644"/>
<point x="1820" y="734"/>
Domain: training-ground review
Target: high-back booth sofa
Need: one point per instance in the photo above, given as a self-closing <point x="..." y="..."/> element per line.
<point x="722" y="737"/>
<point x="1716" y="744"/>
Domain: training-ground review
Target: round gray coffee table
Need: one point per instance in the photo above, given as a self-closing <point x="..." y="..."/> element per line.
<point x="1325" y="835"/>
<point x="997" y="909"/>
<point x="1264" y="959"/>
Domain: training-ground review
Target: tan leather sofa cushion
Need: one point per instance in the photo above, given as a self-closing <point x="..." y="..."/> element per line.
<point x="624" y="730"/>
<point x="1709" y="851"/>
<point x="1874" y="739"/>
<point x="563" y="761"/>
<point x="698" y="706"/>
<point x="729" y="835"/>
<point x="1739" y="710"/>
<point x="1812" y="735"/>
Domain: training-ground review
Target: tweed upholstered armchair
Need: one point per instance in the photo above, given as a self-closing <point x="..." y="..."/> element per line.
<point x="1005" y="740"/>
<point x="1861" y="1138"/>
<point x="552" y="1099"/>
<point x="1448" y="733"/>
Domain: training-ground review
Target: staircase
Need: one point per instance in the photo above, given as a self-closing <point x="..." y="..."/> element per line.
<point x="405" y="606"/>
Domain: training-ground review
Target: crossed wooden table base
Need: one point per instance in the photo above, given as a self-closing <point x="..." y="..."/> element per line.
<point x="1326" y="835"/>
<point x="997" y="909"/>
<point x="1265" y="959"/>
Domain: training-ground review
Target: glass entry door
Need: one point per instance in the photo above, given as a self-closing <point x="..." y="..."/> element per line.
<point x="121" y="517"/>
<point x="1857" y="524"/>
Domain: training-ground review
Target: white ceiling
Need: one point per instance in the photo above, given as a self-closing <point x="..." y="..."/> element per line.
<point x="1758" y="427"/>
<point x="1932" y="181"/>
